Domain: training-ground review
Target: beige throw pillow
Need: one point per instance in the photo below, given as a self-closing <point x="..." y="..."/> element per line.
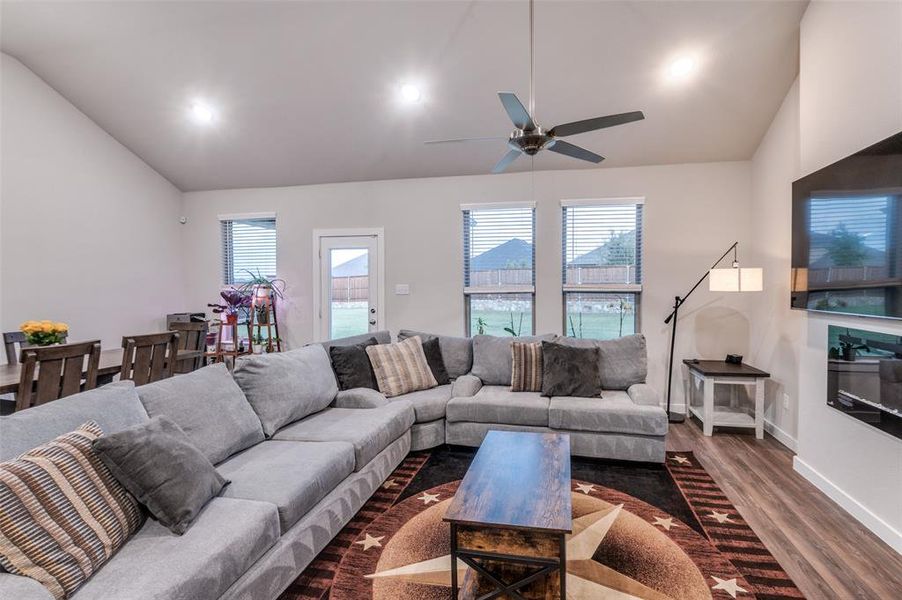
<point x="401" y="368"/>
<point x="526" y="363"/>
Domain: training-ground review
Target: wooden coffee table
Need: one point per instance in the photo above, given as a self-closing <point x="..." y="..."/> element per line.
<point x="511" y="515"/>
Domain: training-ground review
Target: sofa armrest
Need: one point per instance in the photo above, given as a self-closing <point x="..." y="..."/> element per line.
<point x="643" y="394"/>
<point x="22" y="588"/>
<point x="359" y="398"/>
<point x="465" y="386"/>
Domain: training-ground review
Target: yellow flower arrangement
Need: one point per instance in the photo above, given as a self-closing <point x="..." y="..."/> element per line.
<point x="44" y="333"/>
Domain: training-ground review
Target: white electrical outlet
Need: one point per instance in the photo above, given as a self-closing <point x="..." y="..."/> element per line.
<point x="402" y="289"/>
<point x="785" y="401"/>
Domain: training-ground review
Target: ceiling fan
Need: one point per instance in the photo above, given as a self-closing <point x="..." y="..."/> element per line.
<point x="529" y="137"/>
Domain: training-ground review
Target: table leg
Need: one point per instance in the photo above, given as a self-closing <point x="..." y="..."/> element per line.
<point x="708" y="408"/>
<point x="454" y="590"/>
<point x="759" y="409"/>
<point x="563" y="559"/>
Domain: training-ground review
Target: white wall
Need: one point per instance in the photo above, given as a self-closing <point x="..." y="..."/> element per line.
<point x="693" y="213"/>
<point x="89" y="232"/>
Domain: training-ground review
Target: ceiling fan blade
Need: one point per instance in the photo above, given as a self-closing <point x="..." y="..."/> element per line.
<point x="516" y="111"/>
<point x="568" y="149"/>
<point x="502" y="164"/>
<point x="473" y="139"/>
<point x="596" y="123"/>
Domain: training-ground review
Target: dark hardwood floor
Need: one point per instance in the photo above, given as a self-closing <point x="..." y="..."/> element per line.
<point x="825" y="551"/>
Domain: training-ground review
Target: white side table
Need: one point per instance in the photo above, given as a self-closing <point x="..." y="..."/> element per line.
<point x="710" y="373"/>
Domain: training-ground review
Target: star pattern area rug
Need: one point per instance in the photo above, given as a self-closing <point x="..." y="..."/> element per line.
<point x="644" y="532"/>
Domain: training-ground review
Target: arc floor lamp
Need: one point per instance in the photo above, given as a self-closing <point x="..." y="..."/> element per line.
<point x="731" y="279"/>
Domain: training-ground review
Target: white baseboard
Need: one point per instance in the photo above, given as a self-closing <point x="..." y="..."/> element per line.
<point x="780" y="435"/>
<point x="878" y="526"/>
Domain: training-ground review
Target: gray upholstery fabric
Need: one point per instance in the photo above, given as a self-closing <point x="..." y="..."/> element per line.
<point x="614" y="412"/>
<point x="623" y="361"/>
<point x="359" y="398"/>
<point x="300" y="544"/>
<point x="369" y="430"/>
<point x="457" y="352"/>
<point x="287" y="386"/>
<point x="157" y="463"/>
<point x="644" y="394"/>
<point x="292" y="475"/>
<point x="16" y="587"/>
<point x="570" y="371"/>
<point x="383" y="337"/>
<point x="427" y="435"/>
<point x="228" y="537"/>
<point x="210" y="409"/>
<point x="428" y="405"/>
<point x="492" y="361"/>
<point x="114" y="407"/>
<point x="465" y="385"/>
<point x="497" y="404"/>
<point x="616" y="446"/>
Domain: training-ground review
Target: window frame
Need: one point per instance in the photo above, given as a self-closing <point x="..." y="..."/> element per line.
<point x="226" y="267"/>
<point x="470" y="291"/>
<point x="635" y="289"/>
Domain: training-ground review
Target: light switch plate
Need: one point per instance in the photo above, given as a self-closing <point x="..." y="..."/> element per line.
<point x="402" y="289"/>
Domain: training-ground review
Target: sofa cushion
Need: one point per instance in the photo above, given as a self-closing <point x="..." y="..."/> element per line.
<point x="210" y="409"/>
<point x="369" y="430"/>
<point x="570" y="371"/>
<point x="622" y="361"/>
<point x="158" y="464"/>
<point x="614" y="412"/>
<point x="292" y="475"/>
<point x="382" y="337"/>
<point x="352" y="366"/>
<point x="492" y="361"/>
<point x="228" y="537"/>
<point x="457" y="352"/>
<point x="497" y="404"/>
<point x="284" y="387"/>
<point x="428" y="405"/>
<point x="114" y="407"/>
<point x="401" y="367"/>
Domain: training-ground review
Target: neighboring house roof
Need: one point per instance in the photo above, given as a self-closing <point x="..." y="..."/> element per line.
<point x="356" y="267"/>
<point x="512" y="252"/>
<point x="819" y="251"/>
<point x="600" y="255"/>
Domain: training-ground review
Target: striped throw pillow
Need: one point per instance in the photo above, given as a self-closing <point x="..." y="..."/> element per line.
<point x="526" y="363"/>
<point x="63" y="513"/>
<point x="401" y="368"/>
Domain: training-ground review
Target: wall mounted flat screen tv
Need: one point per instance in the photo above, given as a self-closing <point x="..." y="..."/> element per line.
<point x="847" y="235"/>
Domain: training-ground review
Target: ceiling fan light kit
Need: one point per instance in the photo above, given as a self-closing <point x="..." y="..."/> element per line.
<point x="529" y="138"/>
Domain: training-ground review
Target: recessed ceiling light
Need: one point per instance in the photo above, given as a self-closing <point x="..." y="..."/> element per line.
<point x="202" y="113"/>
<point x="410" y="93"/>
<point x="681" y="68"/>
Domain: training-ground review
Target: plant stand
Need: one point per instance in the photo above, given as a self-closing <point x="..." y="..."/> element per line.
<point x="222" y="353"/>
<point x="264" y="322"/>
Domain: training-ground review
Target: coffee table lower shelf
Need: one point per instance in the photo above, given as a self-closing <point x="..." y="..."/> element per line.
<point x="523" y="565"/>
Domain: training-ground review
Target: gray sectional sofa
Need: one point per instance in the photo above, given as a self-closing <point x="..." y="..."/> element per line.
<point x="303" y="456"/>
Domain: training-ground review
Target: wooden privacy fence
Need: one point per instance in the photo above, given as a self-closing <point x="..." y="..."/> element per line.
<point x="351" y="289"/>
<point x="575" y="274"/>
<point x="844" y="274"/>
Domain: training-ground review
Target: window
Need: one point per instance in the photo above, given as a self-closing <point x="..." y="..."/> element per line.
<point x="602" y="267"/>
<point x="499" y="268"/>
<point x="248" y="246"/>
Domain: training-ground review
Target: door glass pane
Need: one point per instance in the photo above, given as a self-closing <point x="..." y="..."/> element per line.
<point x="600" y="316"/>
<point x="349" y="299"/>
<point x="501" y="314"/>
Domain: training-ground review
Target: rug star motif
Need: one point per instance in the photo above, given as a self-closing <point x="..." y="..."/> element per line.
<point x="720" y="517"/>
<point x="389" y="484"/>
<point x="680" y="459"/>
<point x="427" y="498"/>
<point x="586" y="578"/>
<point x="585" y="488"/>
<point x="665" y="523"/>
<point x="728" y="585"/>
<point x="371" y="542"/>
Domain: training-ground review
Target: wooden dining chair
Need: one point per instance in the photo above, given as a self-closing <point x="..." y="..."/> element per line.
<point x="192" y="344"/>
<point x="13" y="342"/>
<point x="61" y="371"/>
<point x="149" y="358"/>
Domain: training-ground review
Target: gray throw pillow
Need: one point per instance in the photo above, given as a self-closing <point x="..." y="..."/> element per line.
<point x="457" y="352"/>
<point x="352" y="366"/>
<point x="159" y="465"/>
<point x="570" y="371"/>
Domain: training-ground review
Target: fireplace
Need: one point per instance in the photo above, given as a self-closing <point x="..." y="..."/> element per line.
<point x="864" y="377"/>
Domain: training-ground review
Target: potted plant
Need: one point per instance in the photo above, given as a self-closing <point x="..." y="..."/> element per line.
<point x="234" y="300"/>
<point x="44" y="333"/>
<point x="257" y="344"/>
<point x="850" y="351"/>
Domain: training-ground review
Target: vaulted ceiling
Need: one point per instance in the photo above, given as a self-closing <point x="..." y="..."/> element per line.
<point x="307" y="92"/>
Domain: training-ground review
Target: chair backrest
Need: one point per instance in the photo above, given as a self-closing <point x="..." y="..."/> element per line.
<point x="192" y="339"/>
<point x="13" y="342"/>
<point x="149" y="358"/>
<point x="61" y="371"/>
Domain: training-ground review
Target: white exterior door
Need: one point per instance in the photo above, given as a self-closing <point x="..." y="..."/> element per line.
<point x="349" y="283"/>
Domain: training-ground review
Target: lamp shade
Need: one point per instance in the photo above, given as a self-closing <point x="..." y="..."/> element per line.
<point x="751" y="280"/>
<point x="735" y="279"/>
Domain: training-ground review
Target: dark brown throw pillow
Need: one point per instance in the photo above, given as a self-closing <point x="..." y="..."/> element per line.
<point x="569" y="371"/>
<point x="433" y="352"/>
<point x="352" y="366"/>
<point x="159" y="465"/>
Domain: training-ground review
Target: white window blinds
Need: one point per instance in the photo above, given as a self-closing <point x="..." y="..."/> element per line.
<point x="602" y="246"/>
<point x="499" y="249"/>
<point x="248" y="246"/>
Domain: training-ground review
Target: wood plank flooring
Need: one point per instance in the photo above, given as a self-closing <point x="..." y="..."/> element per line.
<point x="826" y="552"/>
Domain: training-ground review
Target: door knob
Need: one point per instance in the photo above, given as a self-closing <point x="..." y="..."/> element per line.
<point x="372" y="321"/>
